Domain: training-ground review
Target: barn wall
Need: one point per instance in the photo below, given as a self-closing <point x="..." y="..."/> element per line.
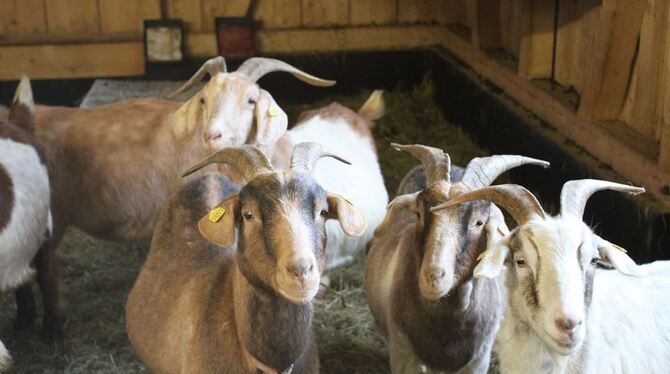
<point x="597" y="70"/>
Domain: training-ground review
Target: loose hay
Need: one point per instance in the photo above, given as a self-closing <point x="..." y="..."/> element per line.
<point x="99" y="274"/>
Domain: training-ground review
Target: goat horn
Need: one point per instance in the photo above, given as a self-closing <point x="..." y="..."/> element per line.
<point x="306" y="154"/>
<point x="575" y="194"/>
<point x="436" y="161"/>
<point x="482" y="171"/>
<point x="518" y="201"/>
<point x="257" y="67"/>
<point x="247" y="159"/>
<point x="212" y="67"/>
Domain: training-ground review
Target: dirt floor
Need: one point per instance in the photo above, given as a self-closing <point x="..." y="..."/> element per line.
<point x="100" y="274"/>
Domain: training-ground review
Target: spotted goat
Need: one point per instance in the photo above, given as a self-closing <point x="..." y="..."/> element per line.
<point x="237" y="297"/>
<point x="567" y="315"/>
<point x="418" y="276"/>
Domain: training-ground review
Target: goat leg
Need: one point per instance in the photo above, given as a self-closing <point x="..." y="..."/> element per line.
<point x="25" y="307"/>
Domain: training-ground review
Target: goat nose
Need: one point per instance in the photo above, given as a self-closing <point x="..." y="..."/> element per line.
<point x="300" y="270"/>
<point x="435" y="274"/>
<point x="567" y="324"/>
<point x="215" y="135"/>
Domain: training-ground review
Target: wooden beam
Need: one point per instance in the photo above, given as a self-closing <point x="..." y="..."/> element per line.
<point x="325" y="13"/>
<point x="73" y="61"/>
<point x="611" y="57"/>
<point x="72" y="16"/>
<point x="22" y="17"/>
<point x="537" y="43"/>
<point x="610" y="150"/>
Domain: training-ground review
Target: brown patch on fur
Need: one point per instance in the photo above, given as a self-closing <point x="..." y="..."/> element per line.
<point x="359" y="124"/>
<point x="4" y="113"/>
<point x="6" y="198"/>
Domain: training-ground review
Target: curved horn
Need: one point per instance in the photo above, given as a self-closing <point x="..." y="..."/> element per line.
<point x="436" y="161"/>
<point x="575" y="193"/>
<point x="211" y="67"/>
<point x="482" y="171"/>
<point x="518" y="201"/>
<point x="247" y="159"/>
<point x="257" y="67"/>
<point x="305" y="156"/>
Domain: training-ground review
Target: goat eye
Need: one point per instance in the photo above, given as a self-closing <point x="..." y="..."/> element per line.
<point x="248" y="215"/>
<point x="479" y="223"/>
<point x="594" y="261"/>
<point x="324" y="213"/>
<point x="520" y="262"/>
<point x="202" y="101"/>
<point x="251" y="101"/>
<point x="418" y="215"/>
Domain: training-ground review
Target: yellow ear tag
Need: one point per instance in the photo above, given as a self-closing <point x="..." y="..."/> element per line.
<point x="216" y="214"/>
<point x="503" y="229"/>
<point x="181" y="113"/>
<point x="482" y="255"/>
<point x="273" y="111"/>
<point x="619" y="248"/>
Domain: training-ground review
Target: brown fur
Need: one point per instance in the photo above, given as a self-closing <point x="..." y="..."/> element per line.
<point x="6" y="198"/>
<point x="457" y="334"/>
<point x="200" y="308"/>
<point x="4" y="113"/>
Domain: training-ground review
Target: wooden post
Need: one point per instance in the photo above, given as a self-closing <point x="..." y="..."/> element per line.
<point x="537" y="42"/>
<point x="487" y="24"/>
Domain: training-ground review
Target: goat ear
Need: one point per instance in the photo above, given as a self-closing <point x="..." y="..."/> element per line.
<point x="352" y="220"/>
<point x="493" y="260"/>
<point x="218" y="226"/>
<point x="271" y="121"/>
<point x="496" y="228"/>
<point x="617" y="257"/>
<point x="400" y="203"/>
<point x="187" y="118"/>
<point x="22" y="110"/>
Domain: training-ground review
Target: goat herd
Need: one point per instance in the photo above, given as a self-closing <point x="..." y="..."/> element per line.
<point x="232" y="272"/>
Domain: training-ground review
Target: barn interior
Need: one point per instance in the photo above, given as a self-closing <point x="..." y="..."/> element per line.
<point x="580" y="83"/>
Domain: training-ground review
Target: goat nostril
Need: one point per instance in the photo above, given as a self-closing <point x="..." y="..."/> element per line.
<point x="436" y="275"/>
<point x="215" y="136"/>
<point x="299" y="271"/>
<point x="567" y="324"/>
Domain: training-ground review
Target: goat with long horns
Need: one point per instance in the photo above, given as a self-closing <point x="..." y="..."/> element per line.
<point x="243" y="303"/>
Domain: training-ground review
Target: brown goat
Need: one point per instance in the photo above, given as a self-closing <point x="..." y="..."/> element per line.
<point x="243" y="303"/>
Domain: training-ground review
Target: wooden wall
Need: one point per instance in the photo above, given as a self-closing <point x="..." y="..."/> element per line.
<point x="597" y="70"/>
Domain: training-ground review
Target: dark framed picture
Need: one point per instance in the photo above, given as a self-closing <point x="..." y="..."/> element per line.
<point x="163" y="42"/>
<point x="235" y="37"/>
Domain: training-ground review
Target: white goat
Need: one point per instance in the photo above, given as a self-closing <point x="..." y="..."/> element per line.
<point x="25" y="216"/>
<point x="346" y="132"/>
<point x="418" y="277"/>
<point x="565" y="315"/>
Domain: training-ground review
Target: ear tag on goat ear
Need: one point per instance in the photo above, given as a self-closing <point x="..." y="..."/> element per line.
<point x="503" y="229"/>
<point x="181" y="113"/>
<point x="482" y="255"/>
<point x="619" y="248"/>
<point x="273" y="111"/>
<point x="216" y="214"/>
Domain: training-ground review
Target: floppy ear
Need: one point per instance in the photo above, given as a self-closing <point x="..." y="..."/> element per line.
<point x="352" y="220"/>
<point x="617" y="257"/>
<point x="400" y="203"/>
<point x="271" y="121"/>
<point x="218" y="226"/>
<point x="187" y="118"/>
<point x="493" y="260"/>
<point x="496" y="228"/>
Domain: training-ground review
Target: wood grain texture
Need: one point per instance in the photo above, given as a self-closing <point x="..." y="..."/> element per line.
<point x="189" y="11"/>
<point x="487" y="28"/>
<point x="419" y="11"/>
<point x="127" y="16"/>
<point x="279" y="13"/>
<point x="325" y="13"/>
<point x="372" y="12"/>
<point x="221" y="8"/>
<point x="72" y="16"/>
<point x="537" y="42"/>
<point x="663" y="103"/>
<point x="22" y="17"/>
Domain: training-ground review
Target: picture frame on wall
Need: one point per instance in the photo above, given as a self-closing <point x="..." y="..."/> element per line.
<point x="164" y="42"/>
<point x="235" y="37"/>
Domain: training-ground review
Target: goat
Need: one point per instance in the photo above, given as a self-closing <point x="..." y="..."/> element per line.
<point x="418" y="276"/>
<point x="565" y="315"/>
<point x="244" y="302"/>
<point x="113" y="166"/>
<point x="25" y="215"/>
<point x="343" y="131"/>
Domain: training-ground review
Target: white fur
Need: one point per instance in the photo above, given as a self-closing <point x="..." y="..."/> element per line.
<point x="361" y="182"/>
<point x="30" y="219"/>
<point x="626" y="328"/>
<point x="5" y="359"/>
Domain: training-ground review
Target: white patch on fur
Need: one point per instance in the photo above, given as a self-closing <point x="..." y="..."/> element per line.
<point x="361" y="182"/>
<point x="30" y="219"/>
<point x="5" y="358"/>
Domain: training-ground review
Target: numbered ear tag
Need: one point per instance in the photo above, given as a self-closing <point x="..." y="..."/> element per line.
<point x="482" y="255"/>
<point x="619" y="248"/>
<point x="274" y="111"/>
<point x="502" y="229"/>
<point x="181" y="113"/>
<point x="216" y="214"/>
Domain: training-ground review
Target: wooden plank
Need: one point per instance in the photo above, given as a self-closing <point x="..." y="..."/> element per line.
<point x="513" y="25"/>
<point x="663" y="104"/>
<point x="372" y="12"/>
<point x="612" y="151"/>
<point x="127" y="16"/>
<point x="537" y="43"/>
<point x="325" y="13"/>
<point x="566" y="59"/>
<point x="419" y="11"/>
<point x="454" y="11"/>
<point x="640" y="110"/>
<point x="74" y="61"/>
<point x="189" y="11"/>
<point x="72" y="16"/>
<point x="221" y="8"/>
<point x="22" y="17"/>
<point x="488" y="24"/>
<point x="279" y="13"/>
<point x="610" y="61"/>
